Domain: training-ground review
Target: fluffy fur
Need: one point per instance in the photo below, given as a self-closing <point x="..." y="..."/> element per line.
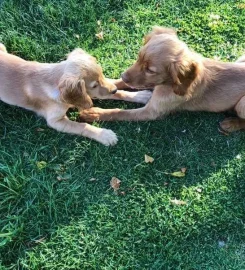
<point x="182" y="80"/>
<point x="51" y="89"/>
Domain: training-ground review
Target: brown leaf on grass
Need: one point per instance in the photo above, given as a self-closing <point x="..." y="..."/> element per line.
<point x="40" y="240"/>
<point x="33" y="243"/>
<point x="183" y="170"/>
<point x="148" y="159"/>
<point x="40" y="129"/>
<point x="221" y="244"/>
<point x="115" y="183"/>
<point x="63" y="177"/>
<point x="177" y="202"/>
<point x="41" y="164"/>
<point x="242" y="6"/>
<point x="100" y="35"/>
<point x="178" y="174"/>
<point x="213" y="164"/>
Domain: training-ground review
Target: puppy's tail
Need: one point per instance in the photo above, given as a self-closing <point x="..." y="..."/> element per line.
<point x="2" y="48"/>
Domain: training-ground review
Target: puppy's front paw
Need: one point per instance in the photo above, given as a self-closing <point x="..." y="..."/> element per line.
<point x="143" y="96"/>
<point x="90" y="115"/>
<point x="107" y="137"/>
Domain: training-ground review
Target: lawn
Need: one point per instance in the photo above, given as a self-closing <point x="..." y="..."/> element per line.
<point x="57" y="210"/>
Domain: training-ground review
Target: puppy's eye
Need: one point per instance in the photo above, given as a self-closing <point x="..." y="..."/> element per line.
<point x="150" y="71"/>
<point x="95" y="85"/>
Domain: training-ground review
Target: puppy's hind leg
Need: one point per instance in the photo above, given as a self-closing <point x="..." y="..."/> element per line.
<point x="235" y="123"/>
<point x="2" y="48"/>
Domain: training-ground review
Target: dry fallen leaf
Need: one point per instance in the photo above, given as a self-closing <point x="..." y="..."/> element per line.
<point x="178" y="174"/>
<point x="241" y="6"/>
<point x="221" y="244"/>
<point x="39" y="129"/>
<point x="213" y="164"/>
<point x="148" y="159"/>
<point x="41" y="164"/>
<point x="183" y="170"/>
<point x="63" y="177"/>
<point x="178" y="202"/>
<point x="40" y="240"/>
<point x="115" y="183"/>
<point x="100" y="35"/>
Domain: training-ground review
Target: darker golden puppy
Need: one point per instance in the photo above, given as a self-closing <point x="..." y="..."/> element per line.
<point x="182" y="80"/>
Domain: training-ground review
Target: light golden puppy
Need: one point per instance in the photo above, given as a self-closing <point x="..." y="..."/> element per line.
<point x="51" y="89"/>
<point x="182" y="80"/>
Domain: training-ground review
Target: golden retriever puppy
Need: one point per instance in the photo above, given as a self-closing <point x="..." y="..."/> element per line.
<point x="51" y="89"/>
<point x="182" y="80"/>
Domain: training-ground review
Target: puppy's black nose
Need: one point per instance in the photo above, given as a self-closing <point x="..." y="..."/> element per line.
<point x="114" y="91"/>
<point x="125" y="77"/>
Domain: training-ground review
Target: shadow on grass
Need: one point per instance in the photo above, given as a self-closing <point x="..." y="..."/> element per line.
<point x="143" y="230"/>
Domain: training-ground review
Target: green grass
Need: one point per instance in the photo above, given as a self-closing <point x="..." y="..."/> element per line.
<point x="76" y="223"/>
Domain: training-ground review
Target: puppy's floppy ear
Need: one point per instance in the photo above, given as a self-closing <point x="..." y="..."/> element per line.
<point x="158" y="30"/>
<point x="73" y="91"/>
<point x="183" y="74"/>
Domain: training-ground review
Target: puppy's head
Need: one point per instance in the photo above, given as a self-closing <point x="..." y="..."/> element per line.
<point x="163" y="60"/>
<point x="83" y="79"/>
